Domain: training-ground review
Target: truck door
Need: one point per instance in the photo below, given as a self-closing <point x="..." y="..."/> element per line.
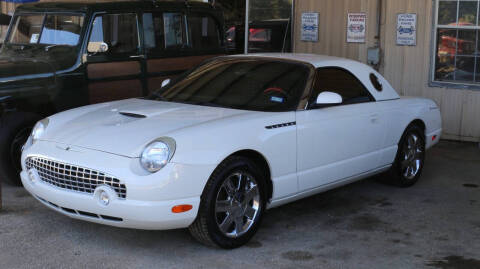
<point x="114" y="58"/>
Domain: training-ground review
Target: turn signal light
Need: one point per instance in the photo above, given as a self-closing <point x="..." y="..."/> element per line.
<point x="181" y="208"/>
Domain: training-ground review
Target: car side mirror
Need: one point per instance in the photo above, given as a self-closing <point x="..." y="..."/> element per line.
<point x="165" y="82"/>
<point x="97" y="47"/>
<point x="329" y="98"/>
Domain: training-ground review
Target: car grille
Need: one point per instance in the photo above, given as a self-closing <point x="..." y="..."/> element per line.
<point x="72" y="177"/>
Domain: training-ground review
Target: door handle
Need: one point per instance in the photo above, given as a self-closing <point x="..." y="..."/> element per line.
<point x="374" y="118"/>
<point x="137" y="56"/>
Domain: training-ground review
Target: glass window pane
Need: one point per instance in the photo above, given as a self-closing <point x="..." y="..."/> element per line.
<point x="62" y="30"/>
<point x="466" y="42"/>
<point x="203" y="32"/>
<point x="465" y="69"/>
<point x="26" y="29"/>
<point x="446" y="42"/>
<point x="445" y="68"/>
<point x="467" y="14"/>
<point x="478" y="43"/>
<point x="148" y="31"/>
<point x="341" y="82"/>
<point x="261" y="85"/>
<point x="447" y="12"/>
<point x="118" y="31"/>
<point x="477" y="74"/>
<point x="174" y="30"/>
<point x="260" y="35"/>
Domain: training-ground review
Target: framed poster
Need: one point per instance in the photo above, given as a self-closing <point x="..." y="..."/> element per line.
<point x="407" y="29"/>
<point x="309" y="31"/>
<point x="356" y="27"/>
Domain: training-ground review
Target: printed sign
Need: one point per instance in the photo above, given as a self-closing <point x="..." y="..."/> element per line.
<point x="309" y="27"/>
<point x="356" y="27"/>
<point x="407" y="29"/>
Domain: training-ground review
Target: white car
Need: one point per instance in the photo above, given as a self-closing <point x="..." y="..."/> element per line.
<point x="229" y="139"/>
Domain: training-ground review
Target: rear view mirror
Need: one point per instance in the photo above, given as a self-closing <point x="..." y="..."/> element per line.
<point x="165" y="82"/>
<point x="329" y="98"/>
<point x="97" y="47"/>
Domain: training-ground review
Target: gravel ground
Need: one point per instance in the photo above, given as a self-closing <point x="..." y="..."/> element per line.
<point x="435" y="224"/>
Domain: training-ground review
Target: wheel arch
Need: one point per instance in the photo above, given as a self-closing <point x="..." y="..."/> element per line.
<point x="416" y="122"/>
<point x="262" y="163"/>
<point x="420" y="123"/>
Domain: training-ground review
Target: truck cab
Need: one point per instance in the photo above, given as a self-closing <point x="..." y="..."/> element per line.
<point x="58" y="56"/>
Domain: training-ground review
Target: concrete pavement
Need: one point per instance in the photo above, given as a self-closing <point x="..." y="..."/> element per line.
<point x="435" y="224"/>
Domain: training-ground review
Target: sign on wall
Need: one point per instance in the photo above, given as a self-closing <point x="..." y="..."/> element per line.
<point x="309" y="30"/>
<point x="407" y="29"/>
<point x="356" y="27"/>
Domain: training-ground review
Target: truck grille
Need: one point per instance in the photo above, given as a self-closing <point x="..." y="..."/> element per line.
<point x="72" y="177"/>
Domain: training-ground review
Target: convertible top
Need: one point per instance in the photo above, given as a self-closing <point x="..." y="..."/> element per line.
<point x="360" y="70"/>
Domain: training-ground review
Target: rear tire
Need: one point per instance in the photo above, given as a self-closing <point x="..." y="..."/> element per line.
<point x="14" y="132"/>
<point x="410" y="159"/>
<point x="232" y="205"/>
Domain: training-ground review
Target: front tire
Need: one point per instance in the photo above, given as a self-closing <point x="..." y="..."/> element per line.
<point x="232" y="205"/>
<point x="410" y="158"/>
<point x="14" y="132"/>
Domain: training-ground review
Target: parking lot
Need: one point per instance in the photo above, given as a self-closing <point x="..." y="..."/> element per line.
<point x="435" y="224"/>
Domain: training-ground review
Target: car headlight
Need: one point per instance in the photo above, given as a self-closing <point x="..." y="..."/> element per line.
<point x="157" y="154"/>
<point x="39" y="129"/>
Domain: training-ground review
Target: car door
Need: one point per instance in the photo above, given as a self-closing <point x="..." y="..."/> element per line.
<point x="114" y="59"/>
<point x="177" y="40"/>
<point x="341" y="141"/>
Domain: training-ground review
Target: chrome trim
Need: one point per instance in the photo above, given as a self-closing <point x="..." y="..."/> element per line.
<point x="73" y="177"/>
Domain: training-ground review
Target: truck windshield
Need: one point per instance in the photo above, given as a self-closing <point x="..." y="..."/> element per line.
<point x="51" y="29"/>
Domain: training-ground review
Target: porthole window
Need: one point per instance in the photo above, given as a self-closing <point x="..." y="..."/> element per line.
<point x="375" y="82"/>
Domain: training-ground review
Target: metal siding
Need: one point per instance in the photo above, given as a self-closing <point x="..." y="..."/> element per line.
<point x="406" y="68"/>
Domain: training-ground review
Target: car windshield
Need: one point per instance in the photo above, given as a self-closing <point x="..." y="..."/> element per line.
<point x="247" y="84"/>
<point x="49" y="29"/>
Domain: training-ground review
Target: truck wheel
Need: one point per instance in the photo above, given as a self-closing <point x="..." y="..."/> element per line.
<point x="14" y="132"/>
<point x="231" y="206"/>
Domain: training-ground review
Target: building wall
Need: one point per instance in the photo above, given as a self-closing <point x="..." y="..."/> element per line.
<point x="407" y="68"/>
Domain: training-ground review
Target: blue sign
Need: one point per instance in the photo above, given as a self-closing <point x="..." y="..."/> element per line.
<point x="407" y="29"/>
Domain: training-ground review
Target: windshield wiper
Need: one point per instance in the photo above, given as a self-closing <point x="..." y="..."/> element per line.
<point x="47" y="48"/>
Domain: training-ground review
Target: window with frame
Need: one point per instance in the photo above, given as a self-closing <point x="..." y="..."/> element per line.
<point x="164" y="31"/>
<point x="337" y="80"/>
<point x="118" y="31"/>
<point x="203" y="32"/>
<point x="457" y="48"/>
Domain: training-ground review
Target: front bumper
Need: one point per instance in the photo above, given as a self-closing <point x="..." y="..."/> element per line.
<point x="150" y="197"/>
<point x="433" y="138"/>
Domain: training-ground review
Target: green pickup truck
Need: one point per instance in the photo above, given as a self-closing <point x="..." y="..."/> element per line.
<point x="58" y="56"/>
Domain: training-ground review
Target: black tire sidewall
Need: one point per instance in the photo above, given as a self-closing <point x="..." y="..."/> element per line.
<point x="240" y="164"/>
<point x="400" y="178"/>
<point x="11" y="124"/>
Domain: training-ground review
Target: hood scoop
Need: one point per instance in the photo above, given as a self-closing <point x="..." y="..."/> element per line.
<point x="132" y="115"/>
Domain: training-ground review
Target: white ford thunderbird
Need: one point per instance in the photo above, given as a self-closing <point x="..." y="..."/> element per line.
<point x="227" y="140"/>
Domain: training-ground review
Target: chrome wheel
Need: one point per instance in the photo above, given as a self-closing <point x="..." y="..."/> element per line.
<point x="412" y="154"/>
<point x="237" y="204"/>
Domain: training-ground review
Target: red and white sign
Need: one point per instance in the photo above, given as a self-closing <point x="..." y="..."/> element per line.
<point x="356" y="27"/>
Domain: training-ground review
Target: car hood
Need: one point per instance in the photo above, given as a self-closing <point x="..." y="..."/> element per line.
<point x="12" y="69"/>
<point x="126" y="127"/>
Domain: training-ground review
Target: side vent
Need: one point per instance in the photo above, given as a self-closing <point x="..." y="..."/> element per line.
<point x="133" y="115"/>
<point x="281" y="125"/>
